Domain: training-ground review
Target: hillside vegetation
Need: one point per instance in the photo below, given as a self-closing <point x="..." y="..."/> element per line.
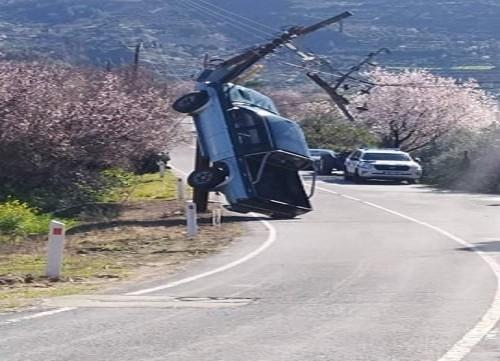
<point x="460" y="38"/>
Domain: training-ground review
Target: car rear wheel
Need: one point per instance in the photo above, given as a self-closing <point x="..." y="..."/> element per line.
<point x="207" y="178"/>
<point x="191" y="103"/>
<point x="357" y="178"/>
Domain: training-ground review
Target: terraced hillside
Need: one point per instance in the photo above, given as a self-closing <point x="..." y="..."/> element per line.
<point x="458" y="38"/>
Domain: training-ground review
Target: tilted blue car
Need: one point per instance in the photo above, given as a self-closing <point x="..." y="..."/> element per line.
<point x="255" y="153"/>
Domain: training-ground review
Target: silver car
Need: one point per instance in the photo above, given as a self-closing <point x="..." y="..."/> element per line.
<point x="389" y="164"/>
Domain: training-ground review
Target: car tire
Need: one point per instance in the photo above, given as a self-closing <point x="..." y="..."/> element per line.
<point x="191" y="103"/>
<point x="357" y="178"/>
<point x="206" y="179"/>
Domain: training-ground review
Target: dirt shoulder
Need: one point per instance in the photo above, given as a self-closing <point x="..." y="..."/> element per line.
<point x="146" y="237"/>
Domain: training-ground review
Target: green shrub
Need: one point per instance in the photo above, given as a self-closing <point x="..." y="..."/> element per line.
<point x="116" y="184"/>
<point x="444" y="160"/>
<point x="336" y="134"/>
<point x="17" y="218"/>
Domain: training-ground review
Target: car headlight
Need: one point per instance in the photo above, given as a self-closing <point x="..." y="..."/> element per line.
<point x="365" y="166"/>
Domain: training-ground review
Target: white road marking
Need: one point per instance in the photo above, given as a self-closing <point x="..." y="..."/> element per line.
<point x="37" y="315"/>
<point x="270" y="240"/>
<point x="487" y="323"/>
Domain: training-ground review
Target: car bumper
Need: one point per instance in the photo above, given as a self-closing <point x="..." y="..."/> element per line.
<point x="376" y="174"/>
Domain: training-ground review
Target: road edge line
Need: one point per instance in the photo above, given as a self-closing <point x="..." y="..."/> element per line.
<point x="489" y="319"/>
<point x="271" y="238"/>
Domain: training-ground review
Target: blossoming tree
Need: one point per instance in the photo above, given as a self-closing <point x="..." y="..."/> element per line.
<point x="410" y="109"/>
<point x="59" y="126"/>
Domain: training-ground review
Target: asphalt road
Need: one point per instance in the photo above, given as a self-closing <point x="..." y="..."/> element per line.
<point x="376" y="272"/>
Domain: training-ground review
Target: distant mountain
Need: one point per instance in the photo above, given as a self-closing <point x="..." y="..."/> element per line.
<point x="457" y="38"/>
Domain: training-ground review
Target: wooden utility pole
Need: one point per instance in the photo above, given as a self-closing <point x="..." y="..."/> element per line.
<point x="333" y="90"/>
<point x="137" y="53"/>
<point x="340" y="101"/>
<point x="232" y="68"/>
<point x="200" y="197"/>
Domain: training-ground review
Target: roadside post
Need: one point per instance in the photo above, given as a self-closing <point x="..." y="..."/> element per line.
<point x="180" y="189"/>
<point x="191" y="220"/>
<point x="55" y="249"/>
<point x="162" y="166"/>
<point x="217" y="217"/>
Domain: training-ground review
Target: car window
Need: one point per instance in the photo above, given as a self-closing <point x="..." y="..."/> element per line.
<point x="386" y="156"/>
<point x="250" y="132"/>
<point x="241" y="95"/>
<point x="355" y="155"/>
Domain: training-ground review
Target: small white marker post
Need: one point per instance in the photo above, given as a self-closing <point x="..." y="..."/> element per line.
<point x="180" y="189"/>
<point x="217" y="217"/>
<point x="55" y="249"/>
<point x="191" y="220"/>
<point x="162" y="165"/>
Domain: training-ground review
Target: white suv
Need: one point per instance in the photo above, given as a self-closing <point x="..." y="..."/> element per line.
<point x="390" y="164"/>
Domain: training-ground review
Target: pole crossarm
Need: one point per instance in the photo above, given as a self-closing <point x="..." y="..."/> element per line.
<point x="340" y="101"/>
<point x="332" y="90"/>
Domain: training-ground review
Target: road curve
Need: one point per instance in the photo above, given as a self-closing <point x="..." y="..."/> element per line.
<point x="346" y="282"/>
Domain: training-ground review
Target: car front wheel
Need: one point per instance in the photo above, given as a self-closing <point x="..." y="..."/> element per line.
<point x="191" y="103"/>
<point x="357" y="178"/>
<point x="207" y="178"/>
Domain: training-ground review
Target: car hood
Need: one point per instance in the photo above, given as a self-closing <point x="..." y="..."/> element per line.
<point x="393" y="163"/>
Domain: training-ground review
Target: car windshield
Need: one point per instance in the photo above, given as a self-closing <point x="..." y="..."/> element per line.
<point x="287" y="135"/>
<point x="385" y="156"/>
<point x="239" y="94"/>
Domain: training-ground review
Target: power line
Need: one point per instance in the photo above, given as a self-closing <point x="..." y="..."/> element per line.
<point x="262" y="25"/>
<point x="414" y="85"/>
<point x="248" y="29"/>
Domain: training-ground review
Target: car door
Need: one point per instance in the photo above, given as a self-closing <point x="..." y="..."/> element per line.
<point x="352" y="162"/>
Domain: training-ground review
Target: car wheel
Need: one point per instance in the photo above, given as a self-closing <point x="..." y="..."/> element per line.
<point x="191" y="103"/>
<point x="357" y="178"/>
<point x="207" y="178"/>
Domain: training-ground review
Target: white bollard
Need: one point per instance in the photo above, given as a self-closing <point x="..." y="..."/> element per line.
<point x="191" y="219"/>
<point x="55" y="249"/>
<point x="217" y="217"/>
<point x="162" y="165"/>
<point x="180" y="189"/>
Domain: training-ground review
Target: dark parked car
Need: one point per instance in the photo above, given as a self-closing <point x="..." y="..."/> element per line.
<point x="325" y="160"/>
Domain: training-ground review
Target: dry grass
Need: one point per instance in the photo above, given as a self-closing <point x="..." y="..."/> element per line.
<point x="144" y="237"/>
